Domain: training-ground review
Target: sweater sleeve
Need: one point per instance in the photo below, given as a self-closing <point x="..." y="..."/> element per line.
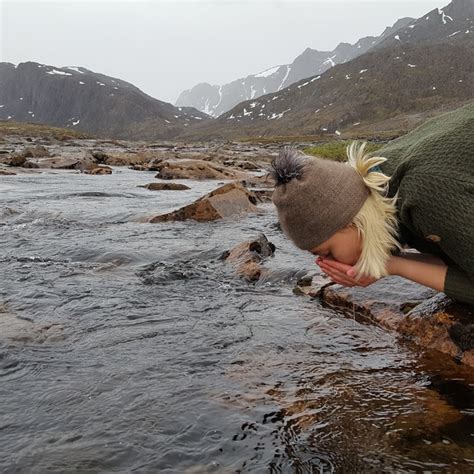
<point x="440" y="210"/>
<point x="459" y="285"/>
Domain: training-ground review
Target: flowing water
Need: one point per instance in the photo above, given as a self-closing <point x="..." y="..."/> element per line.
<point x="169" y="363"/>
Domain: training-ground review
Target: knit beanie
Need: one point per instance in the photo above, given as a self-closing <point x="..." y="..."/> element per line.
<point x="315" y="197"/>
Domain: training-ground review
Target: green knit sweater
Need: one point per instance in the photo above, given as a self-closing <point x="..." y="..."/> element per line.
<point x="432" y="168"/>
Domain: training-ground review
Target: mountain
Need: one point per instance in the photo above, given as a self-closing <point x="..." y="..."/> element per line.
<point x="391" y="87"/>
<point x="77" y="98"/>
<point x="215" y="100"/>
<point x="450" y="24"/>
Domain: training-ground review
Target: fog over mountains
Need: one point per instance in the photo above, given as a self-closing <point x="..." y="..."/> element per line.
<point x="416" y="68"/>
<point x="214" y="100"/>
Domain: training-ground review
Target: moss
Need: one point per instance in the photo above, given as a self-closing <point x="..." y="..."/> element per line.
<point x="336" y="150"/>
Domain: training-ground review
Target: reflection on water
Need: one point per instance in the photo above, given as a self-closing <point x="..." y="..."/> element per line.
<point x="171" y="364"/>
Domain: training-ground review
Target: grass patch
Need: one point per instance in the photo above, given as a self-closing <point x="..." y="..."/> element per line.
<point x="337" y="150"/>
<point x="38" y="130"/>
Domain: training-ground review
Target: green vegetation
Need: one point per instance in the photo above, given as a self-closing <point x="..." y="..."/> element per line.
<point x="336" y="150"/>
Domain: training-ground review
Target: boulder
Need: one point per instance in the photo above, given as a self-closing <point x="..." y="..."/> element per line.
<point x="56" y="162"/>
<point x="30" y="164"/>
<point x="261" y="186"/>
<point x="229" y="200"/>
<point x="442" y="324"/>
<point x="17" y="159"/>
<point x="4" y="172"/>
<point x="196" y="169"/>
<point x="165" y="186"/>
<point x="248" y="256"/>
<point x="153" y="165"/>
<point x="100" y="170"/>
<point x="430" y="319"/>
<point x="100" y="156"/>
<point x="86" y="161"/>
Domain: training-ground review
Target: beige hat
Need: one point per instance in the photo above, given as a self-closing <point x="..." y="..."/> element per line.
<point x="314" y="197"/>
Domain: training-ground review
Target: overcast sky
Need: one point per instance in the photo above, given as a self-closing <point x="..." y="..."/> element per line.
<point x="164" y="47"/>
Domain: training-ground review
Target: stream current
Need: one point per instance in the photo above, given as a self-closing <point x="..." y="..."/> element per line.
<point x="170" y="363"/>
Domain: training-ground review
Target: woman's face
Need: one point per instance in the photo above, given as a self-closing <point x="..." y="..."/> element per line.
<point x="345" y="246"/>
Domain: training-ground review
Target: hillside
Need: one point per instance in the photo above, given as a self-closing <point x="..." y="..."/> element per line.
<point x="218" y="99"/>
<point x="76" y="98"/>
<point x="393" y="87"/>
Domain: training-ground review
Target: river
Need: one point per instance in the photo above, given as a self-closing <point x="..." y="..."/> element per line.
<point x="169" y="363"/>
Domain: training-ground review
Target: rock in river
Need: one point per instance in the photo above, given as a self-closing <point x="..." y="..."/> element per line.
<point x="228" y="200"/>
<point x="196" y="169"/>
<point x="165" y="186"/>
<point x="418" y="313"/>
<point x="15" y="329"/>
<point x="248" y="256"/>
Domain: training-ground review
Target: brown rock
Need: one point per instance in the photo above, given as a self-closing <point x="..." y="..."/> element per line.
<point x="418" y="313"/>
<point x="311" y="285"/>
<point x="228" y="200"/>
<point x="442" y="324"/>
<point x="138" y="168"/>
<point x="245" y="165"/>
<point x="100" y="156"/>
<point x="165" y="186"/>
<point x="30" y="164"/>
<point x="4" y="172"/>
<point x="17" y="159"/>
<point x="265" y="181"/>
<point x="385" y="302"/>
<point x="57" y="162"/>
<point x="100" y="170"/>
<point x="248" y="256"/>
<point x="196" y="169"/>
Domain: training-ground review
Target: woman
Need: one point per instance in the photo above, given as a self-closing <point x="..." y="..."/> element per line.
<point x="356" y="216"/>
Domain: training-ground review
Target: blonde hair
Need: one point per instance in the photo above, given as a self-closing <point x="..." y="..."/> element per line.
<point x="376" y="222"/>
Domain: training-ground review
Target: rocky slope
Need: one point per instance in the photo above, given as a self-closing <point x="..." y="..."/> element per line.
<point x="217" y="99"/>
<point x="394" y="87"/>
<point x="76" y="98"/>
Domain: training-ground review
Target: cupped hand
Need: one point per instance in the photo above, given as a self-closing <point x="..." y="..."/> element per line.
<point x="342" y="273"/>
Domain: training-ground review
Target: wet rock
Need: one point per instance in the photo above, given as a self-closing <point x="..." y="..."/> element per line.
<point x="4" y="172"/>
<point x="248" y="256"/>
<point x="311" y="285"/>
<point x="419" y="314"/>
<point x="383" y="302"/>
<point x="57" y="162"/>
<point x="261" y="186"/>
<point x="138" y="168"/>
<point x="225" y="201"/>
<point x="100" y="156"/>
<point x="38" y="151"/>
<point x="196" y="169"/>
<point x="442" y="324"/>
<point x="15" y="329"/>
<point x="165" y="186"/>
<point x="86" y="162"/>
<point x="17" y="159"/>
<point x="30" y="165"/>
<point x="100" y="170"/>
<point x="245" y="165"/>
